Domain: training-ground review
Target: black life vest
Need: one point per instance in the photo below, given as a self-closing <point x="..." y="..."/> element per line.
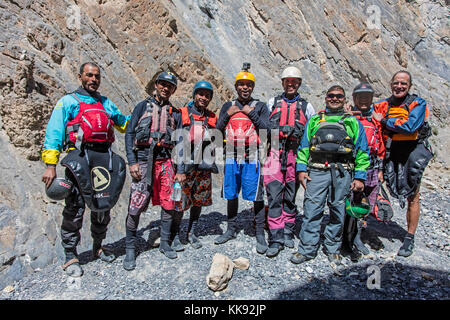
<point x="155" y="125"/>
<point x="331" y="143"/>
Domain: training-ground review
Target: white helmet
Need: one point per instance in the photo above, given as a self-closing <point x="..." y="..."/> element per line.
<point x="291" y="72"/>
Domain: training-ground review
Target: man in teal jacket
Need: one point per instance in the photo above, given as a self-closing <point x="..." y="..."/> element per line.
<point x="333" y="152"/>
<point x="55" y="140"/>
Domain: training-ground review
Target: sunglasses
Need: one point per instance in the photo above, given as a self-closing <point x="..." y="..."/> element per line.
<point x="338" y="96"/>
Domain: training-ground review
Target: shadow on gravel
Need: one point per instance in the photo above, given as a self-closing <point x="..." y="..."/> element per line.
<point x="208" y="223"/>
<point x="376" y="229"/>
<point x="370" y="235"/>
<point x="118" y="247"/>
<point x="396" y="282"/>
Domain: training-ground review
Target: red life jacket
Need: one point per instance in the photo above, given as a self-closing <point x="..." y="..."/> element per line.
<point x="155" y="125"/>
<point x="91" y="124"/>
<point x="197" y="123"/>
<point x="240" y="130"/>
<point x="290" y="119"/>
<point x="372" y="134"/>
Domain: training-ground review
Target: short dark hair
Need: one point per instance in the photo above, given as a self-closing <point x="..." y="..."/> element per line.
<point x="403" y="71"/>
<point x="336" y="87"/>
<point x="92" y="64"/>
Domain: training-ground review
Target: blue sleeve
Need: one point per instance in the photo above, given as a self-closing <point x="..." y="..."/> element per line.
<point x="415" y="120"/>
<point x="62" y="113"/>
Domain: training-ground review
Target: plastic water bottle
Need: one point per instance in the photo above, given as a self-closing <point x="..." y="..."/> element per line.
<point x="176" y="193"/>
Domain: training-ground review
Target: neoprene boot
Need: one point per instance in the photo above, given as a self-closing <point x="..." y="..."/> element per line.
<point x="260" y="223"/>
<point x="175" y="232"/>
<point x="289" y="235"/>
<point x="261" y="244"/>
<point x="229" y="234"/>
<point x="274" y="249"/>
<point x="192" y="228"/>
<point x="129" y="262"/>
<point x="276" y="242"/>
<point x="357" y="241"/>
<point x="164" y="246"/>
<point x="71" y="264"/>
<point x="408" y="245"/>
<point x="232" y="208"/>
<point x="100" y="252"/>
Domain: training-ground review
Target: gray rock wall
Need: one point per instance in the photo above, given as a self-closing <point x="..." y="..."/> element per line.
<point x="42" y="44"/>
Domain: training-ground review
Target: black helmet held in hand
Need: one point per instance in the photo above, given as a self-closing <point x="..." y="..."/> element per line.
<point x="59" y="189"/>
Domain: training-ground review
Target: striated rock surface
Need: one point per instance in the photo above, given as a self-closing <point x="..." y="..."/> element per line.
<point x="42" y="44"/>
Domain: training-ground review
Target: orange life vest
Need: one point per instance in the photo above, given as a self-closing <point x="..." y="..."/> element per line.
<point x="402" y="113"/>
<point x="197" y="123"/>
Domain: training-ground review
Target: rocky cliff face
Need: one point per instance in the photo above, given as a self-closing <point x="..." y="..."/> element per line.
<point x="42" y="44"/>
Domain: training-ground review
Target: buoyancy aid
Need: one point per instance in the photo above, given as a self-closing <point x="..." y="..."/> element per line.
<point x="154" y="129"/>
<point x="197" y="123"/>
<point x="331" y="143"/>
<point x="155" y="126"/>
<point x="374" y="139"/>
<point x="402" y="177"/>
<point x="198" y="127"/>
<point x="402" y="112"/>
<point x="92" y="124"/>
<point x="240" y="130"/>
<point x="290" y="118"/>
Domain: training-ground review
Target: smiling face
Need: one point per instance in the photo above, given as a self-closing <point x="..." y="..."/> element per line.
<point x="290" y="86"/>
<point x="244" y="89"/>
<point x="164" y="89"/>
<point x="90" y="78"/>
<point x="202" y="98"/>
<point x="335" y="99"/>
<point x="363" y="100"/>
<point x="400" y="85"/>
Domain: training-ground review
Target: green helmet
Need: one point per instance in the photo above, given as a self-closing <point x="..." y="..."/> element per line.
<point x="357" y="207"/>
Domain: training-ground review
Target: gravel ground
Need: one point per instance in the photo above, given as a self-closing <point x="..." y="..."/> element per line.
<point x="424" y="275"/>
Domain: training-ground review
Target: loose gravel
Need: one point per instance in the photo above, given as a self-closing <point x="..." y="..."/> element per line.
<point x="424" y="275"/>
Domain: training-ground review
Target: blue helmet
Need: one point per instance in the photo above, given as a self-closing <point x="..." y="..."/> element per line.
<point x="202" y="85"/>
<point x="167" y="76"/>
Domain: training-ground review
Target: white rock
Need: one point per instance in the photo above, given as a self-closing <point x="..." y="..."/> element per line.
<point x="241" y="263"/>
<point x="8" y="289"/>
<point x="220" y="272"/>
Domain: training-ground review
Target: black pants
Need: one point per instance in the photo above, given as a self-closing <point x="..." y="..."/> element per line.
<point x="73" y="219"/>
